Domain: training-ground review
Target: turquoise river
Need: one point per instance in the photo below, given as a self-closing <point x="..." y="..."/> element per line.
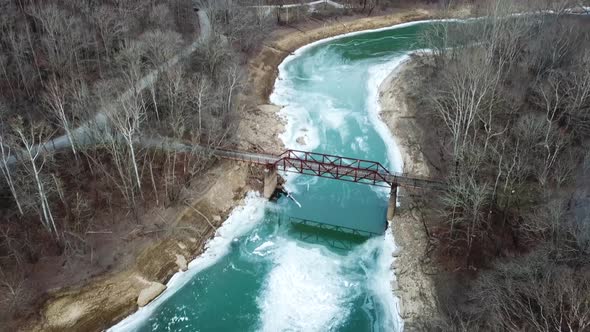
<point x="263" y="273"/>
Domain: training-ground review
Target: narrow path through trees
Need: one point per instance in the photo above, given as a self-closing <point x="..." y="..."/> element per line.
<point x="84" y="134"/>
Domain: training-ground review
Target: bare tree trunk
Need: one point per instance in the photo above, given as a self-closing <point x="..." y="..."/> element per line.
<point x="32" y="154"/>
<point x="17" y="54"/>
<point x="3" y="63"/>
<point x="7" y="172"/>
<point x="154" y="101"/>
<point x="55" y="98"/>
<point x="154" y="182"/>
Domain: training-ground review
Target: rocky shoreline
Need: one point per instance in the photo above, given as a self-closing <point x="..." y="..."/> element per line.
<point x="414" y="287"/>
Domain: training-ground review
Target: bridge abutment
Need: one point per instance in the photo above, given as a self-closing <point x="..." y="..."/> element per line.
<point x="271" y="179"/>
<point x="391" y="206"/>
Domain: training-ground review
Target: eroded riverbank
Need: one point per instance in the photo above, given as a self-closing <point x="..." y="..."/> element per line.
<point x="109" y="298"/>
<point x="415" y="287"/>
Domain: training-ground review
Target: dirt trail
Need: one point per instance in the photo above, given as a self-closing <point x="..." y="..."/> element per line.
<point x="87" y="132"/>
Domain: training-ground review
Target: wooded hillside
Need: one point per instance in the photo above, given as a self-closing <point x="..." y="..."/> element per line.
<point x="88" y="91"/>
<point x="508" y="98"/>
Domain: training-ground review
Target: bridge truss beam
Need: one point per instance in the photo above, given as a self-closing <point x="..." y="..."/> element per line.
<point x="334" y="167"/>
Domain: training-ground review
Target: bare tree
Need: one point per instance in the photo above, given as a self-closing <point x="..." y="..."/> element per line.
<point x="17" y="43"/>
<point x="64" y="37"/>
<point x="7" y="169"/>
<point x="466" y="198"/>
<point x="55" y="98"/>
<point x="3" y="67"/>
<point x="231" y="85"/>
<point x="202" y="91"/>
<point x="111" y="29"/>
<point x="14" y="293"/>
<point x="33" y="160"/>
<point x="551" y="102"/>
<point x="469" y="89"/>
<point x="127" y="123"/>
<point x="577" y="97"/>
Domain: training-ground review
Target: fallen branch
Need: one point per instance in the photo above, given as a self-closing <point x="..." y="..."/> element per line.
<point x="202" y="215"/>
<point x="99" y="232"/>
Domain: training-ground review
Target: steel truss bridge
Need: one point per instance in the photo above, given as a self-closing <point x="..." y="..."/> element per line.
<point x="332" y="167"/>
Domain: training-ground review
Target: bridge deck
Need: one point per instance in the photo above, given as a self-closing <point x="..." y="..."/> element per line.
<point x="330" y="166"/>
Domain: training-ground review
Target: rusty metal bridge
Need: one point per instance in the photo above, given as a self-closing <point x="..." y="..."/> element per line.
<point x="332" y="167"/>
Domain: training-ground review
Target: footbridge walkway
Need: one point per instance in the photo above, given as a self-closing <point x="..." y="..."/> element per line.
<point x="332" y="167"/>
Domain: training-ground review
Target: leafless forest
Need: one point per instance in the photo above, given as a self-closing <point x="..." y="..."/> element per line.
<point x="98" y="79"/>
<point x="512" y="97"/>
<point x="88" y="91"/>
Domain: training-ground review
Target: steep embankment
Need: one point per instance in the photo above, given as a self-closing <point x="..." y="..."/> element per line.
<point x="107" y="299"/>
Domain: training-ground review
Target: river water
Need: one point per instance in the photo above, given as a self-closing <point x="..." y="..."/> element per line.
<point x="263" y="273"/>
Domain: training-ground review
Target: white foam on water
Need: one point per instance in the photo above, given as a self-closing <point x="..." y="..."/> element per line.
<point x="361" y="142"/>
<point x="380" y="281"/>
<point x="378" y="74"/>
<point x="297" y="118"/>
<point x="264" y="249"/>
<point x="307" y="290"/>
<point x="242" y="220"/>
<point x="333" y="117"/>
<point x="313" y="289"/>
<point x="297" y="184"/>
<point x="298" y="124"/>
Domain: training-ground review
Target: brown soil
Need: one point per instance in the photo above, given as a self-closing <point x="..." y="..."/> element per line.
<point x="101" y="301"/>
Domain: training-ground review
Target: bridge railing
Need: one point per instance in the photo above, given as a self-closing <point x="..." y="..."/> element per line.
<point x="331" y="166"/>
<point x="257" y="158"/>
<point x="339" y="161"/>
<point x="335" y="167"/>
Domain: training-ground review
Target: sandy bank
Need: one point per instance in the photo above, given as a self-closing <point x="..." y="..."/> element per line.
<point x="415" y="288"/>
<point x="107" y="299"/>
<point x="263" y="68"/>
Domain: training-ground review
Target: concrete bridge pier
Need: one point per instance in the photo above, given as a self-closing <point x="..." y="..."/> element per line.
<point x="271" y="179"/>
<point x="392" y="202"/>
